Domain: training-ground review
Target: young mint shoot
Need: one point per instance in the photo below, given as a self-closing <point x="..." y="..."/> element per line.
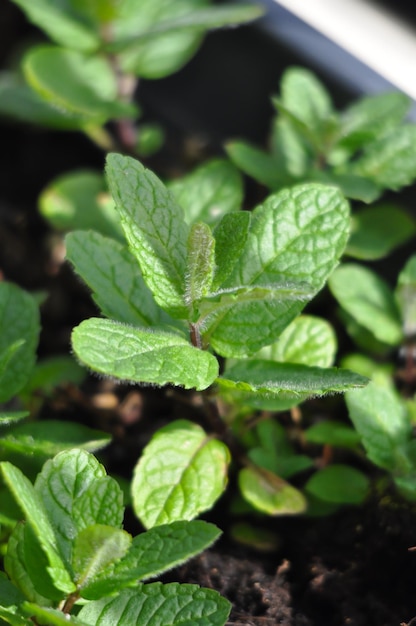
<point x="70" y="561"/>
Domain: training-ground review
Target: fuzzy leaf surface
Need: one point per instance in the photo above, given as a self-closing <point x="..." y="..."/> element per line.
<point x="37" y="516"/>
<point x="181" y="473"/>
<point x="155" y="229"/>
<point x="113" y="274"/>
<point x="141" y="355"/>
<point x="369" y="300"/>
<point x="212" y="190"/>
<point x="382" y="422"/>
<point x="77" y="493"/>
<point x="297" y="236"/>
<point x="153" y="552"/>
<point x="269" y="493"/>
<point x="200" y="262"/>
<point x="155" y="604"/>
<point x="79" y="200"/>
<point x="230" y="238"/>
<point x="19" y="326"/>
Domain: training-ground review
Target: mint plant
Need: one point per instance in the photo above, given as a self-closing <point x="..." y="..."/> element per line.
<point x="89" y="74"/>
<point x="184" y="294"/>
<point x="364" y="150"/>
<point x="70" y="561"/>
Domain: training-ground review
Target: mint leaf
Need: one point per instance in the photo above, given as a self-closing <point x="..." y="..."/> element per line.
<point x="230" y="238"/>
<point x="38" y="518"/>
<point x="209" y="192"/>
<point x="155" y="604"/>
<point x="113" y="274"/>
<point x="256" y="163"/>
<point x="181" y="473"/>
<point x="381" y="420"/>
<point x="307" y="340"/>
<point x="339" y="484"/>
<point x="19" y="326"/>
<point x="142" y="355"/>
<point x="154" y="227"/>
<point x="75" y="82"/>
<point x="95" y="548"/>
<point x="152" y="553"/>
<point x="305" y="97"/>
<point x="51" y="617"/>
<point x="405" y="295"/>
<point x="79" y="200"/>
<point x="270" y="493"/>
<point x="276" y="251"/>
<point x="200" y="263"/>
<point x="333" y="434"/>
<point x="378" y="230"/>
<point x="369" y="300"/>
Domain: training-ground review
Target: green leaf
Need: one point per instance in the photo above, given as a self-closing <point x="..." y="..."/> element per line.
<point x="297" y="236"/>
<point x="60" y="23"/>
<point x="50" y="373"/>
<point x="209" y="192"/>
<point x="181" y="473"/>
<point x="50" y="617"/>
<point x="95" y="548"/>
<point x="256" y="163"/>
<point x="381" y="420"/>
<point x="230" y="238"/>
<point x="79" y="200"/>
<point x="16" y="567"/>
<point x="333" y="434"/>
<point x="159" y="605"/>
<point x="391" y="160"/>
<point x="19" y="101"/>
<point x="339" y="484"/>
<point x="48" y="437"/>
<point x="378" y="230"/>
<point x="77" y="83"/>
<point x="200" y="263"/>
<point x="371" y="117"/>
<point x="405" y="295"/>
<point x="271" y="379"/>
<point x="11" y="615"/>
<point x="305" y="97"/>
<point x="142" y="355"/>
<point x="19" y="332"/>
<point x="369" y="300"/>
<point x="153" y="552"/>
<point x="11" y="417"/>
<point x="37" y="517"/>
<point x="113" y="274"/>
<point x="308" y="340"/>
<point x="77" y="493"/>
<point x="10" y="596"/>
<point x="270" y="493"/>
<point x="154" y="227"/>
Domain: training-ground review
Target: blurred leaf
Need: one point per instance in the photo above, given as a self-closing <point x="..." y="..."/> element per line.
<point x="339" y="484"/>
<point x="270" y="494"/>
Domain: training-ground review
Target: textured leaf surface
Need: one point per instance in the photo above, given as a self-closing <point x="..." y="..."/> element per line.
<point x="155" y="229"/>
<point x="77" y="493"/>
<point x="79" y="200"/>
<point x="155" y="604"/>
<point x="141" y="355"/>
<point x="381" y="420"/>
<point x="270" y="493"/>
<point x="114" y="275"/>
<point x="308" y="340"/>
<point x="230" y="238"/>
<point x="181" y="473"/>
<point x="288" y="379"/>
<point x="19" y="326"/>
<point x="200" y="262"/>
<point x="95" y="548"/>
<point x="38" y="518"/>
<point x="297" y="235"/>
<point x="378" y="230"/>
<point x="47" y="438"/>
<point x="339" y="484"/>
<point x="369" y="300"/>
<point x="212" y="190"/>
<point x="152" y="553"/>
<point x="74" y="82"/>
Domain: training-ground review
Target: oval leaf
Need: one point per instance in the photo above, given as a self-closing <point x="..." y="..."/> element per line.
<point x="269" y="493"/>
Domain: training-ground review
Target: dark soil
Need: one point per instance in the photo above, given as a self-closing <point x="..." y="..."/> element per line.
<point x="355" y="567"/>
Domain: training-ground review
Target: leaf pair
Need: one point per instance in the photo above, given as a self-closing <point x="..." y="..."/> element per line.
<point x="72" y="546"/>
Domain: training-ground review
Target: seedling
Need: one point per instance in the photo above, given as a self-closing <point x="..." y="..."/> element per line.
<point x="182" y="295"/>
<point x="70" y="561"/>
